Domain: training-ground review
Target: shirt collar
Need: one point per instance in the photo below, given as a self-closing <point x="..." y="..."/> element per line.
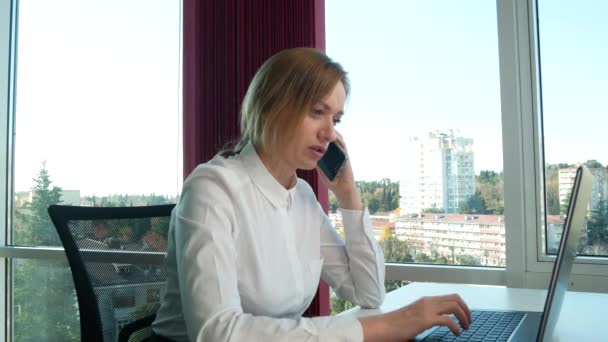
<point x="263" y="180"/>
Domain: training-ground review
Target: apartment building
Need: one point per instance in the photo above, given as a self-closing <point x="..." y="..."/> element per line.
<point x="481" y="237"/>
<point x="443" y="176"/>
<point x="599" y="189"/>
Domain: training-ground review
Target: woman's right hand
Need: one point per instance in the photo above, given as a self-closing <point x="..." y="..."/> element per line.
<point x="408" y="322"/>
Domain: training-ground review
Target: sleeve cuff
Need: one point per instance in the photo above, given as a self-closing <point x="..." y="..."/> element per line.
<point x="343" y="328"/>
<point x="357" y="225"/>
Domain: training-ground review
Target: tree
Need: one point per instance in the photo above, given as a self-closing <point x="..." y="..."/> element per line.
<point x="396" y="251"/>
<point x="467" y="260"/>
<point x="490" y="187"/>
<point x="379" y="196"/>
<point x="423" y="258"/>
<point x="552" y="189"/>
<point x="597" y="226"/>
<point x="386" y="233"/>
<point x="474" y="205"/>
<point x="593" y="164"/>
<point x="565" y="203"/>
<point x="488" y="176"/>
<point x="44" y="297"/>
<point x="338" y="304"/>
<point x="40" y="231"/>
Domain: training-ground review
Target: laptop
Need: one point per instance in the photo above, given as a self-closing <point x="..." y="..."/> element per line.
<point x="514" y="326"/>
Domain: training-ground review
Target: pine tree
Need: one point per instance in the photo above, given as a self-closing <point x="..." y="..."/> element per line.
<point x="41" y="230"/>
<point x="45" y="306"/>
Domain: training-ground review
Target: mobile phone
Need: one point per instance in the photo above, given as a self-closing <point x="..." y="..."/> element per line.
<point x="333" y="160"/>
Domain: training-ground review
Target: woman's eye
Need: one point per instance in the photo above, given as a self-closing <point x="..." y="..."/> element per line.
<point x="337" y="121"/>
<point x="317" y="111"/>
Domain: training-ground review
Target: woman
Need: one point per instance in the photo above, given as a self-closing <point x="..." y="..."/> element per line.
<point x="249" y="241"/>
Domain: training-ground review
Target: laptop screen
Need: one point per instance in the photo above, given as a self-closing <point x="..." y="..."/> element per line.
<point x="577" y="210"/>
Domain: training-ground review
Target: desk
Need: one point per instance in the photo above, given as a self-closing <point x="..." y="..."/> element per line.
<point x="582" y="318"/>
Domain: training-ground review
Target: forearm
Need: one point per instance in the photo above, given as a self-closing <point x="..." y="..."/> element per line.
<point x="365" y="261"/>
<point x="382" y="328"/>
<point x="350" y="200"/>
<point x="374" y="329"/>
<point x="234" y="325"/>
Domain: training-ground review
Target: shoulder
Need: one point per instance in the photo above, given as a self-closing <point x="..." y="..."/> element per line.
<point x="304" y="188"/>
<point x="305" y="191"/>
<point x="211" y="187"/>
<point x="218" y="177"/>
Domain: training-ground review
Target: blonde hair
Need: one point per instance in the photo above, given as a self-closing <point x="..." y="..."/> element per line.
<point x="282" y="91"/>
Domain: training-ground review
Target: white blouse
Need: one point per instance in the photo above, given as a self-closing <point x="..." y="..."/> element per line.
<point x="245" y="256"/>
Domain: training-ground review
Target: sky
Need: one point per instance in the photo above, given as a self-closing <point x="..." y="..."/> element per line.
<point x="419" y="66"/>
<point x="98" y="97"/>
<point x="98" y="86"/>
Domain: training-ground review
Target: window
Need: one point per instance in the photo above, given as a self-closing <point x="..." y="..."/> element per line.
<point x="95" y="120"/>
<point x="423" y="122"/>
<point x="474" y="68"/>
<point x="573" y="72"/>
<point x="423" y="128"/>
<point x="526" y="125"/>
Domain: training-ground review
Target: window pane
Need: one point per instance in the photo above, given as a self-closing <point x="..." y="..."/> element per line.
<point x="97" y="108"/>
<point x="44" y="302"/>
<point x="423" y="126"/>
<point x="573" y="58"/>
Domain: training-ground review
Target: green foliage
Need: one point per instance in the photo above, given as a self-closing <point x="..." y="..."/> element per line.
<point x="423" y="258"/>
<point x="45" y="307"/>
<point x="593" y="164"/>
<point x="597" y="226"/>
<point x="338" y="304"/>
<point x="474" y="205"/>
<point x="395" y="250"/>
<point x="37" y="229"/>
<point x="390" y="285"/>
<point x="44" y="299"/>
<point x="552" y="189"/>
<point x="489" y="177"/>
<point x="565" y="203"/>
<point x="467" y="260"/>
<point x="379" y="196"/>
<point x="333" y="203"/>
<point x="489" y="195"/>
<point x="119" y="200"/>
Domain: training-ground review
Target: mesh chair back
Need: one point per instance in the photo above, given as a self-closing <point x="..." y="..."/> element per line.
<point x="116" y="258"/>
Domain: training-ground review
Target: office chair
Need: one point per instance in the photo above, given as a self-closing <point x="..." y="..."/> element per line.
<point x="116" y="256"/>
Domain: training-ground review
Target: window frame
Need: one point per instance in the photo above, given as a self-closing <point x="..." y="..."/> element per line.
<point x="9" y="14"/>
<point x="586" y="269"/>
<point x="8" y="41"/>
<point x="524" y="169"/>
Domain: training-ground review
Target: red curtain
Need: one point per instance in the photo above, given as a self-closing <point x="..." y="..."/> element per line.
<point x="224" y="42"/>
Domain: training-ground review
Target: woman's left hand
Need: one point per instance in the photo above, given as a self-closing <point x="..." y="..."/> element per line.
<point x="343" y="186"/>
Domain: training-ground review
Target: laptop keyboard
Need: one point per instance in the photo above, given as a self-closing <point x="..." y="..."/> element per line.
<point x="486" y="326"/>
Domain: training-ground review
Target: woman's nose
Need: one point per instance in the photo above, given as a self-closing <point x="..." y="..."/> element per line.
<point x="328" y="132"/>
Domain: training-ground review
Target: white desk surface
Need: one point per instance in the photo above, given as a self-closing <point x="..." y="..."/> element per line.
<point x="583" y="316"/>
